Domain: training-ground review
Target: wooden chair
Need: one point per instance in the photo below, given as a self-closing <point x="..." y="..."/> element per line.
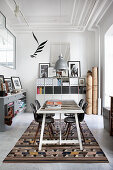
<point x="38" y="118"/>
<point x="71" y="119"/>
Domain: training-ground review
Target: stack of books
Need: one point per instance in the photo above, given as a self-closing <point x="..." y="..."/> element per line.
<point x="53" y="104"/>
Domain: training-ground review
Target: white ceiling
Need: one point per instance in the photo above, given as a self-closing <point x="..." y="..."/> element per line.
<point x="56" y="15"/>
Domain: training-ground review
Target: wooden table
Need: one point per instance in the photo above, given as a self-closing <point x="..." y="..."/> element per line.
<point x="68" y="106"/>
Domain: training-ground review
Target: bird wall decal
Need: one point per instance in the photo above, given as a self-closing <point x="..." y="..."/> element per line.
<point x="40" y="46"/>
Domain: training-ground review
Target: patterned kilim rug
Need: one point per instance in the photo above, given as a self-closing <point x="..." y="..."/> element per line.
<point x="27" y="152"/>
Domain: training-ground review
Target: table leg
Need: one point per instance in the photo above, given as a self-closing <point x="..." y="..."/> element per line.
<point x="60" y="130"/>
<point x="42" y="131"/>
<point x="78" y="132"/>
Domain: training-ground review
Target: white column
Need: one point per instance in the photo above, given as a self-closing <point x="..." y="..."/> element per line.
<point x="99" y="74"/>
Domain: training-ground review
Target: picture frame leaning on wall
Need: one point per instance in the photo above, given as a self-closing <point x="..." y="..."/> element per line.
<point x="43" y="70"/>
<point x="16" y="83"/>
<point x="74" y="69"/>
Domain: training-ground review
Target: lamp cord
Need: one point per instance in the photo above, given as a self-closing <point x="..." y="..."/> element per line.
<point x="22" y="14"/>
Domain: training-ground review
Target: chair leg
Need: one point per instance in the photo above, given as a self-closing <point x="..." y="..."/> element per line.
<point x="69" y="128"/>
<point x="49" y="129"/>
<point x="81" y="132"/>
<point x="36" y="133"/>
<point x="66" y="129"/>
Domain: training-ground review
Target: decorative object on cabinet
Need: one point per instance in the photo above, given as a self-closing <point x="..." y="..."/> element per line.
<point x="2" y="86"/>
<point x="74" y="68"/>
<point x="1" y="78"/>
<point x="65" y="73"/>
<point x="1" y="82"/>
<point x="40" y="46"/>
<point x="16" y="83"/>
<point x="81" y="81"/>
<point x="59" y="74"/>
<point x="89" y="93"/>
<point x="94" y="90"/>
<point x="43" y="69"/>
<point x="51" y="72"/>
<point x="73" y="81"/>
<point x="61" y="64"/>
<point x="8" y="83"/>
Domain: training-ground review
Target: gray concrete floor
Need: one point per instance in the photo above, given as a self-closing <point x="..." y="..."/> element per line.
<point x="22" y="121"/>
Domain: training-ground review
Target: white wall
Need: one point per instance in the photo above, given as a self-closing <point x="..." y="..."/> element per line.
<point x="105" y="24"/>
<point x="82" y="47"/>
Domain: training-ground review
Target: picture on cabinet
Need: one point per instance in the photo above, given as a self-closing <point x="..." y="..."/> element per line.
<point x="1" y="82"/>
<point x="8" y="84"/>
<point x="81" y="81"/>
<point x="16" y="83"/>
<point x="44" y="69"/>
<point x="74" y="68"/>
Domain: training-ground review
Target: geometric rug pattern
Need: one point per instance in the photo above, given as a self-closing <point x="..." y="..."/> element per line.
<point x="26" y="152"/>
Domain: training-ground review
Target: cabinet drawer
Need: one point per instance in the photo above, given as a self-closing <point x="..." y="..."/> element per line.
<point x="9" y="99"/>
<point x="19" y="96"/>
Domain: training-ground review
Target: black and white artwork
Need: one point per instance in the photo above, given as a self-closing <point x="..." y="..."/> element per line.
<point x="16" y="83"/>
<point x="74" y="68"/>
<point x="44" y="70"/>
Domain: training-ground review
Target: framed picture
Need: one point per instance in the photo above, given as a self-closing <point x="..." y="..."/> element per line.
<point x="16" y="83"/>
<point x="8" y="84"/>
<point x="74" y="68"/>
<point x="73" y="81"/>
<point x="81" y="81"/>
<point x="1" y="82"/>
<point x="43" y="70"/>
<point x="51" y="72"/>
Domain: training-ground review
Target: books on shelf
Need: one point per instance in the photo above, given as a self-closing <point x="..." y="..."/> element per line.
<point x="40" y="90"/>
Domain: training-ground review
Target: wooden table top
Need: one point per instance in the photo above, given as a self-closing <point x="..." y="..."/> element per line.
<point x="67" y="106"/>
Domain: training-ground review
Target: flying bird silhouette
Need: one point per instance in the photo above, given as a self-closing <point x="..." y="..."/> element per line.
<point x="40" y="46"/>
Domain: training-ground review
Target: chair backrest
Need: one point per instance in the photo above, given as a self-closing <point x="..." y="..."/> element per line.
<point x="84" y="107"/>
<point x="33" y="107"/>
<point x="37" y="104"/>
<point x="34" y="111"/>
<point x="81" y="102"/>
